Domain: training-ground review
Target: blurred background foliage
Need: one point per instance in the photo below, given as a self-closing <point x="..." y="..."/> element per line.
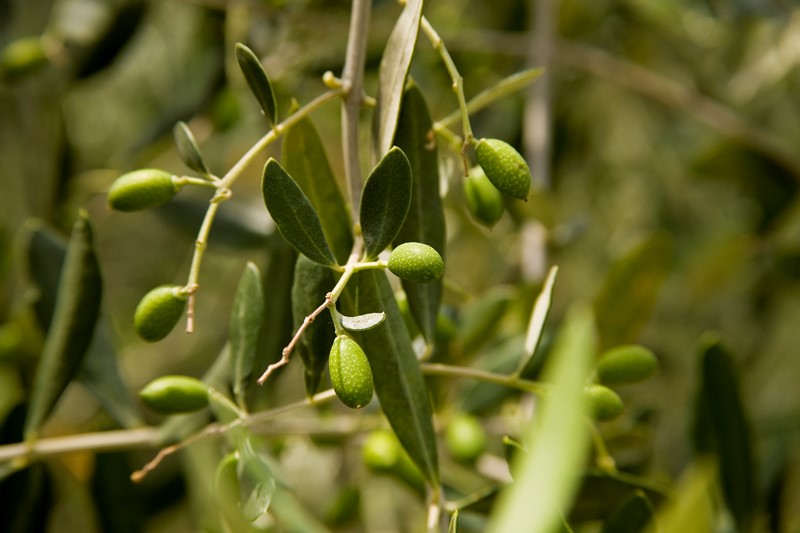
<point x="666" y="191"/>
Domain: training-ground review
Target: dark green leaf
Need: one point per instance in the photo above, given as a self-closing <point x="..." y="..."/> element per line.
<point x="398" y="380"/>
<point x="723" y="422"/>
<point x="293" y="213"/>
<point x="247" y="320"/>
<point x="44" y="250"/>
<point x="362" y="322"/>
<point x="305" y="160"/>
<point x="385" y="201"/>
<point x="481" y="318"/>
<point x="392" y="74"/>
<point x="425" y="220"/>
<point x="631" y="516"/>
<point x="257" y="80"/>
<point x="601" y="492"/>
<point x="546" y="478"/>
<point x="311" y="283"/>
<point x="629" y="292"/>
<point x="188" y="149"/>
<point x="76" y="312"/>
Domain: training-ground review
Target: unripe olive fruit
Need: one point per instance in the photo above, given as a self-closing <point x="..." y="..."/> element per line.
<point x="142" y="189"/>
<point x="158" y="312"/>
<point x="505" y="167"/>
<point x="169" y="395"/>
<point x="351" y="375"/>
<point x="414" y="261"/>
<point x="382" y="452"/>
<point x="626" y="364"/>
<point x="604" y="403"/>
<point x="484" y="201"/>
<point x="465" y="437"/>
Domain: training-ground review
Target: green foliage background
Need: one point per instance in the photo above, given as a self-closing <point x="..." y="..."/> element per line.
<point x="671" y="203"/>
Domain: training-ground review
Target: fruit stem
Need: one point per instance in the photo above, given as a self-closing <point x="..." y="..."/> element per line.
<point x="603" y="458"/>
<point x="458" y="81"/>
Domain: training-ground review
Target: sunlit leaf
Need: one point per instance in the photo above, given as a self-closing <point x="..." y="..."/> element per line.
<point x="311" y="283"/>
<point x="723" y="427"/>
<point x="294" y="215"/>
<point x="188" y="149"/>
<point x="399" y="383"/>
<point x="77" y="309"/>
<point x="385" y="201"/>
<point x="536" y="324"/>
<point x="257" y="80"/>
<point x="425" y="220"/>
<point x="246" y="323"/>
<point x="392" y="73"/>
<point x="305" y="160"/>
<point x="546" y="478"/>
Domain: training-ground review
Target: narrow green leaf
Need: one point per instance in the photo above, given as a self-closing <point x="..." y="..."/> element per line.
<point x="76" y="313"/>
<point x="311" y="283"/>
<point x="453" y="528"/>
<point x="692" y="508"/>
<point x="44" y="251"/>
<point x="258" y="81"/>
<point x="305" y="160"/>
<point x="546" y="478"/>
<point x="385" y="201"/>
<point x="398" y="379"/>
<point x="392" y="74"/>
<point x="257" y="485"/>
<point x="724" y="422"/>
<point x="294" y="215"/>
<point x="629" y="292"/>
<point x="631" y="516"/>
<point x="247" y="320"/>
<point x="188" y="149"/>
<point x="362" y="322"/>
<point x="541" y="308"/>
<point x="425" y="220"/>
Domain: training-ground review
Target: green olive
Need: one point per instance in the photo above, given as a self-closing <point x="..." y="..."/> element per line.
<point x="626" y="364"/>
<point x="142" y="189"/>
<point x="171" y="395"/>
<point x="465" y="437"/>
<point x="604" y="403"/>
<point x="505" y="167"/>
<point x="484" y="201"/>
<point x="351" y="375"/>
<point x="414" y="261"/>
<point x="158" y="312"/>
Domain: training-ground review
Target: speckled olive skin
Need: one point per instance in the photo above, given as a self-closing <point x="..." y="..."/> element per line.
<point x="505" y="167"/>
<point x="414" y="261"/>
<point x="351" y="375"/>
<point x="141" y="189"/>
<point x="158" y="312"/>
<point x="174" y="394"/>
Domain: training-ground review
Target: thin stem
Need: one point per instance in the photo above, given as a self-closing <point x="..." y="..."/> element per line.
<point x="189" y="180"/>
<point x="438" y="369"/>
<point x="458" y="81"/>
<point x="353" y="85"/>
<point x="603" y="460"/>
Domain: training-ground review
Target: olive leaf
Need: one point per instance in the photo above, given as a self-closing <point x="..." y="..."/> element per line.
<point x="257" y="80"/>
<point x="77" y="309"/>
<point x="392" y="73"/>
<point x="294" y="215"/>
<point x="45" y="251"/>
<point x="247" y="319"/>
<point x="541" y="308"/>
<point x="362" y="322"/>
<point x="546" y="478"/>
<point x="385" y="201"/>
<point x="188" y="149"/>
<point x="629" y="292"/>
<point x="257" y="485"/>
<point x="630" y="516"/>
<point x="398" y="379"/>
<point x="311" y="283"/>
<point x="425" y="220"/>
<point x="722" y="428"/>
<point x="305" y="160"/>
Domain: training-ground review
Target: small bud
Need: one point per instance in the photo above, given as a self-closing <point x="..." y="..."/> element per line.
<point x="626" y="364"/>
<point x="604" y="403"/>
<point x="505" y="167"/>
<point x="414" y="261"/>
<point x="351" y="375"/>
<point x="169" y="395"/>
<point x="158" y="312"/>
<point x="484" y="201"/>
<point x="142" y="189"/>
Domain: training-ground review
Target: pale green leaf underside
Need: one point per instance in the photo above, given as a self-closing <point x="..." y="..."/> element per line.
<point x="362" y="322"/>
<point x="541" y="308"/>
